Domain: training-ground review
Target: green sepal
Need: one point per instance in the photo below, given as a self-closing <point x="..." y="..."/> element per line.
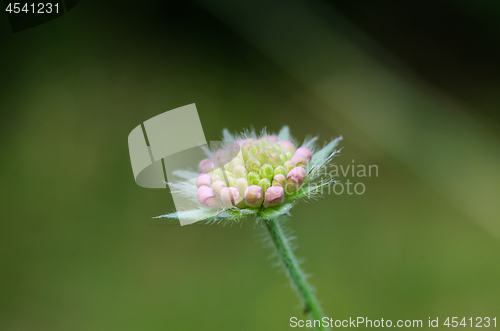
<point x="323" y="154"/>
<point x="273" y="212"/>
<point x="227" y="136"/>
<point x="194" y="214"/>
<point x="209" y="214"/>
<point x="235" y="213"/>
<point x="284" y="133"/>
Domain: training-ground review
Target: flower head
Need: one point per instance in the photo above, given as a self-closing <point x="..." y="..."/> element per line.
<point x="257" y="174"/>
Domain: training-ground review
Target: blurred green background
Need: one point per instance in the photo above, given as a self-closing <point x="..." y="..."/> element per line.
<point x="412" y="86"/>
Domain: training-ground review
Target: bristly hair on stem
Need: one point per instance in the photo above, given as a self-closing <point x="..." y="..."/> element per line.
<point x="299" y="280"/>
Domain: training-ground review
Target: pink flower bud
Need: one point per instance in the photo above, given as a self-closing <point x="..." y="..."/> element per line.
<point x="203" y="180"/>
<point x="254" y="196"/>
<point x="220" y="157"/>
<point x="295" y="178"/>
<point x="274" y="196"/>
<point x="305" y="153"/>
<point x="234" y="149"/>
<point x="207" y="197"/>
<point x="214" y="178"/>
<point x="205" y="166"/>
<point x="272" y="138"/>
<point x="299" y="160"/>
<point x="231" y="197"/>
<point x="287" y="146"/>
<point x="218" y="186"/>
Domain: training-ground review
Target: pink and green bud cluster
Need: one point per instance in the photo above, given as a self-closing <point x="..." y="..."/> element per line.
<point x="256" y="173"/>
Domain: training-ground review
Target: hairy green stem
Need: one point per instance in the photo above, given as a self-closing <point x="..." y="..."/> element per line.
<point x="294" y="272"/>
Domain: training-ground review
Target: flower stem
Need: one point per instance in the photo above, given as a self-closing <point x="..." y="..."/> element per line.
<point x="282" y="244"/>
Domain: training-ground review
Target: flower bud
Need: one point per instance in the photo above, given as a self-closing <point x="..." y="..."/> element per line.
<point x="261" y="143"/>
<point x="253" y="149"/>
<point x="239" y="172"/>
<point x="226" y="175"/>
<point x="220" y="157"/>
<point x="231" y="181"/>
<point x="241" y="185"/>
<point x="237" y="161"/>
<point x="274" y="160"/>
<point x="299" y="160"/>
<point x="246" y="145"/>
<point x="214" y="178"/>
<point x="246" y="154"/>
<point x="280" y="171"/>
<point x="272" y="138"/>
<point x="274" y="196"/>
<point x="283" y="158"/>
<point x="278" y="149"/>
<point x="265" y="184"/>
<point x="261" y="156"/>
<point x="305" y="153"/>
<point x="217" y="187"/>
<point x="233" y="149"/>
<point x="228" y="167"/>
<point x="206" y="197"/>
<point x="287" y="146"/>
<point x="279" y="180"/>
<point x="288" y="156"/>
<point x="254" y="196"/>
<point x="231" y="197"/>
<point x="266" y="171"/>
<point x="294" y="179"/>
<point x="289" y="165"/>
<point x="205" y="166"/>
<point x="253" y="165"/>
<point x="270" y="150"/>
<point x="203" y="180"/>
<point x="253" y="178"/>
